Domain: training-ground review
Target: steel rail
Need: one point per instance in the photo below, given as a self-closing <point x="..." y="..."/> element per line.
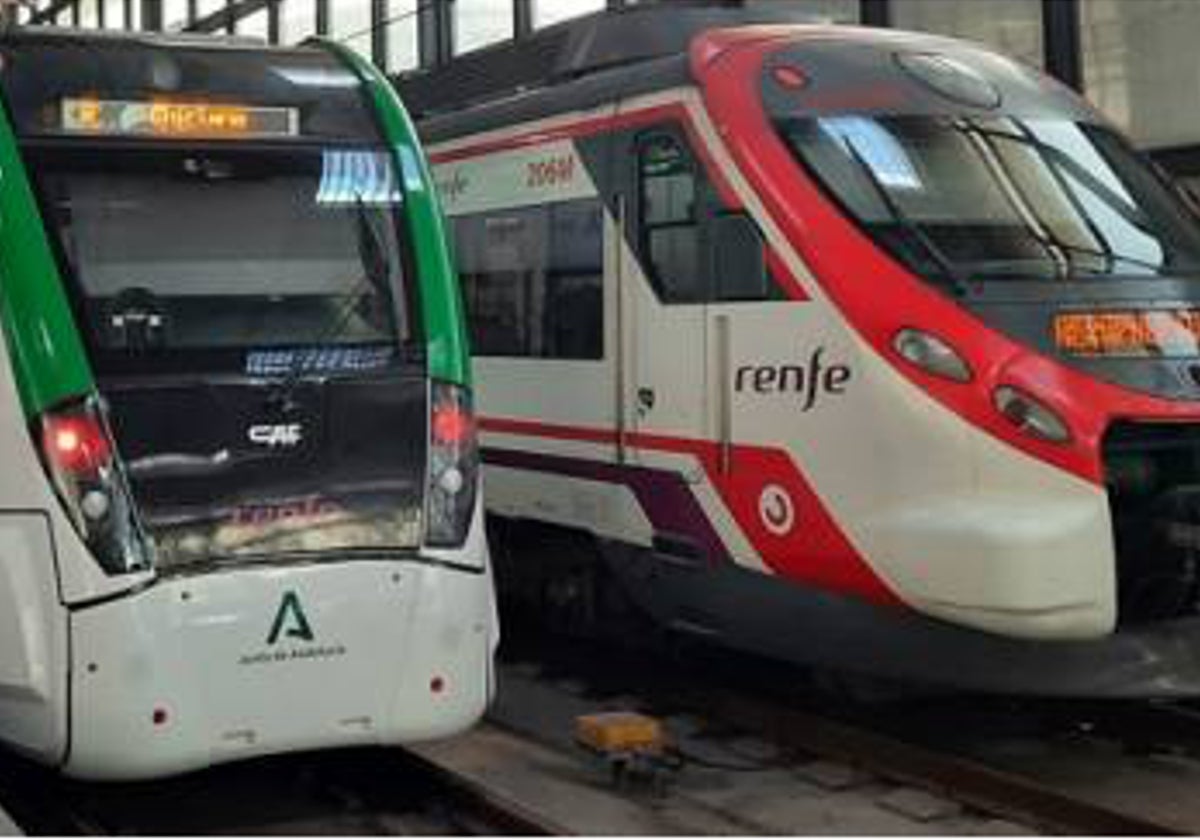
<point x="964" y="780"/>
<point x="495" y="813"/>
<point x="967" y="781"/>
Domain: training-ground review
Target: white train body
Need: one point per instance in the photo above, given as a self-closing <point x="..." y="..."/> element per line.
<point x="939" y="511"/>
<point x="226" y="528"/>
<point x="757" y="461"/>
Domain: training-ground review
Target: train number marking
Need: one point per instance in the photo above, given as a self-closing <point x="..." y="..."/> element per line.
<point x="777" y="510"/>
<point x="552" y="172"/>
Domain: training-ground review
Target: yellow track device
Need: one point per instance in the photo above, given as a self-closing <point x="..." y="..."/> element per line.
<point x="614" y="733"/>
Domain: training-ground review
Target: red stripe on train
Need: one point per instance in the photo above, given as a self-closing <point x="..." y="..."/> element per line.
<point x="772" y="503"/>
<point x="566" y="130"/>
<point x="676" y="112"/>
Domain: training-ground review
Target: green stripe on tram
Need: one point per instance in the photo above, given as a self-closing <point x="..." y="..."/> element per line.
<point x="48" y="356"/>
<point x="441" y="301"/>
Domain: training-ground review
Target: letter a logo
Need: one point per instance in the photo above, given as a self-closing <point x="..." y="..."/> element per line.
<point x="290" y="620"/>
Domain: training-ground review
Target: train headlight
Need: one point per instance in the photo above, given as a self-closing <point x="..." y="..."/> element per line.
<point x="932" y="355"/>
<point x="453" y="466"/>
<point x="452" y="481"/>
<point x="1029" y="415"/>
<point x="95" y="505"/>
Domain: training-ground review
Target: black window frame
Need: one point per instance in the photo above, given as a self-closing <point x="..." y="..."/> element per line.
<point x="522" y="344"/>
<point x="667" y="288"/>
<point x="706" y="212"/>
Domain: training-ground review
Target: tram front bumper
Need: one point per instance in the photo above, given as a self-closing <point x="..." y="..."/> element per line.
<point x="199" y="670"/>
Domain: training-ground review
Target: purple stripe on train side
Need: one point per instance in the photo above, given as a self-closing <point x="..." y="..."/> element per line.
<point x="664" y="496"/>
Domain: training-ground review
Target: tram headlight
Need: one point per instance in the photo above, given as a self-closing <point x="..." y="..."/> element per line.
<point x="932" y="355"/>
<point x="82" y="463"/>
<point x="453" y="466"/>
<point x="1031" y="416"/>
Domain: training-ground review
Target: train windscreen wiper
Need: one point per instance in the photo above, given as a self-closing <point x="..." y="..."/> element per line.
<point x="996" y="268"/>
<point x="1055" y="156"/>
<point x="1083" y="250"/>
<point x="372" y="256"/>
<point x="958" y="283"/>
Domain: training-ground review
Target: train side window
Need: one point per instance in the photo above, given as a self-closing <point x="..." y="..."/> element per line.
<point x="573" y="314"/>
<point x="490" y="262"/>
<point x="532" y="280"/>
<point x="669" y="220"/>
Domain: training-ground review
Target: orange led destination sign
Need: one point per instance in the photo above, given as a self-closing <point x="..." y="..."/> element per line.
<point x="1152" y="332"/>
<point x="163" y="119"/>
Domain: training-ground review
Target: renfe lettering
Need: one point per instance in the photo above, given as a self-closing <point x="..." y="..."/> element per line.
<point x="809" y="381"/>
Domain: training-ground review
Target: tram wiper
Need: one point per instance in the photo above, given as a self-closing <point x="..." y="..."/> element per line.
<point x="372" y="255"/>
<point x="958" y="284"/>
<point x="370" y="249"/>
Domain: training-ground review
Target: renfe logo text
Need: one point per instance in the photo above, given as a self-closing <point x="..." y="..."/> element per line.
<point x="809" y="382"/>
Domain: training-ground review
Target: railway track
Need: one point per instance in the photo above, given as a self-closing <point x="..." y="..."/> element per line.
<point x="961" y="779"/>
<point x="911" y="749"/>
<point x="371" y="792"/>
<point x="932" y="747"/>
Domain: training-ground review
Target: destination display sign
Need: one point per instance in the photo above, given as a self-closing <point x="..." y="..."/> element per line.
<point x="1172" y="333"/>
<point x="167" y="119"/>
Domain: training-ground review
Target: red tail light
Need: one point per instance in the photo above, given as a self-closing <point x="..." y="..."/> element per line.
<point x="452" y="424"/>
<point x="77" y="444"/>
<point x="82" y="463"/>
<point x="453" y="466"/>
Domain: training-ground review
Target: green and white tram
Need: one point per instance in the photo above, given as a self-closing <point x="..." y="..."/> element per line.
<point x="239" y="505"/>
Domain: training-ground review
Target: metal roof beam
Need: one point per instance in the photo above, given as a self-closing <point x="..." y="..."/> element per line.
<point x="228" y="17"/>
<point x="51" y="12"/>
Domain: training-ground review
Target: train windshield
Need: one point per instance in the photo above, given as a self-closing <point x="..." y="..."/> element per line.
<point x="202" y="254"/>
<point x="232" y="229"/>
<point x="1000" y="197"/>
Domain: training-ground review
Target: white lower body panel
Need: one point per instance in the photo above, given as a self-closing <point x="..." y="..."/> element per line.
<point x="33" y="640"/>
<point x="199" y="670"/>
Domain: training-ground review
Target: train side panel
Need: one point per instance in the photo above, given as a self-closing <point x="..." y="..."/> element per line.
<point x="765" y="434"/>
<point x="33" y="620"/>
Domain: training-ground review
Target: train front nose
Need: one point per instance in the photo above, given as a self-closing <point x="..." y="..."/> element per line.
<point x="212" y="668"/>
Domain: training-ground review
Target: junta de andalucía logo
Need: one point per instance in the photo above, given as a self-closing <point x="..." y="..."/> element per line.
<point x="291" y="624"/>
<point x="290" y="621"/>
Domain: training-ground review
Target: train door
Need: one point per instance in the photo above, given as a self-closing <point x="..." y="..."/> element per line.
<point x="664" y="294"/>
<point x="693" y="300"/>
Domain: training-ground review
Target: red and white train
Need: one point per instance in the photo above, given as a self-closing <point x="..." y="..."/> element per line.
<point x="862" y="348"/>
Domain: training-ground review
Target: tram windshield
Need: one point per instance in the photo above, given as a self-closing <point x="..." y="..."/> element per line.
<point x="210" y="252"/>
<point x="999" y="197"/>
<point x="232" y="231"/>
